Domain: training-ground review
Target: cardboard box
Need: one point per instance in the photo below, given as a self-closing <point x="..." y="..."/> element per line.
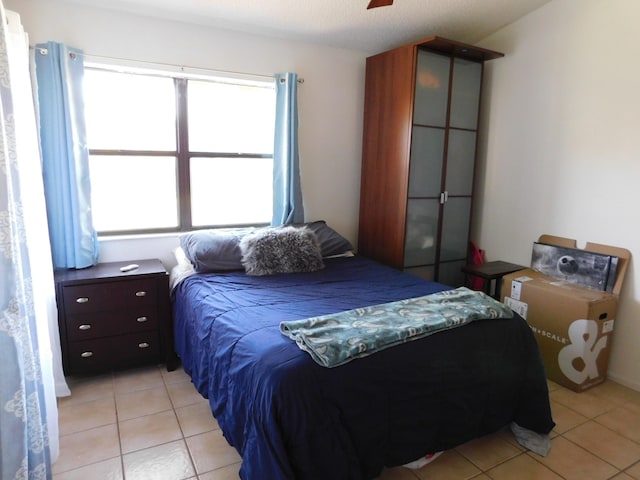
<point x="573" y="325"/>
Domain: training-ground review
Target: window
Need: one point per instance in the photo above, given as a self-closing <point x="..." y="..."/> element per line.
<point x="175" y="153"/>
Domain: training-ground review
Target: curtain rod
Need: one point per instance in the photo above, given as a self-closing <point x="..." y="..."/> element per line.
<point x="182" y="68"/>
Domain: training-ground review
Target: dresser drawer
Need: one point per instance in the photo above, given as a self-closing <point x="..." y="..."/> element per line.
<point x="109" y="296"/>
<point x="106" y="324"/>
<point x="114" y="352"/>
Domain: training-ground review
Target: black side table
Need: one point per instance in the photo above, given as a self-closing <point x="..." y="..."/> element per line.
<point x="110" y="319"/>
<point x="491" y="271"/>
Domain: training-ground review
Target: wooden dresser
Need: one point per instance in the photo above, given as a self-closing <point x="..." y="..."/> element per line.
<point x="110" y="319"/>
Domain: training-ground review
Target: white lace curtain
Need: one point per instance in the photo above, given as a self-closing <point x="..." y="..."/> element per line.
<point x="28" y="412"/>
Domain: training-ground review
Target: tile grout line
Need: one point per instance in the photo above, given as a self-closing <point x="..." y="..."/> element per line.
<point x="115" y="402"/>
<point x="618" y="470"/>
<point x="175" y="414"/>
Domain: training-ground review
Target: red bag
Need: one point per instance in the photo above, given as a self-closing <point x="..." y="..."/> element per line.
<point x="476" y="257"/>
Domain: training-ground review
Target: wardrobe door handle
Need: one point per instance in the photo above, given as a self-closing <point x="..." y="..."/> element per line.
<point x="82" y="300"/>
<point x="141" y="293"/>
<point x="143" y="345"/>
<point x="141" y="319"/>
<point x="84" y="327"/>
<point x="86" y="354"/>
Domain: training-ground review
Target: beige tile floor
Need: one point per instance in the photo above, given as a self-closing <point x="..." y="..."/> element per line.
<point x="150" y="424"/>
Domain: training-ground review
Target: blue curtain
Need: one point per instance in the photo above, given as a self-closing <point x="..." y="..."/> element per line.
<point x="65" y="157"/>
<point x="24" y="435"/>
<point x="287" y="193"/>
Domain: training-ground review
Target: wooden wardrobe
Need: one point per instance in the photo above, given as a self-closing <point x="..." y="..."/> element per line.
<point x="418" y="157"/>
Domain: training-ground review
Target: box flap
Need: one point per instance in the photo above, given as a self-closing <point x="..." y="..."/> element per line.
<point x="560" y="241"/>
<point x="624" y="255"/>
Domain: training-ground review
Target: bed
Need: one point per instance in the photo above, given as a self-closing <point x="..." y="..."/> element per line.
<point x="291" y="418"/>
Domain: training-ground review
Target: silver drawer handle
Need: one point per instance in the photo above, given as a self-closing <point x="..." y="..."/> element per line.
<point x="143" y="345"/>
<point x="86" y="354"/>
<point x="141" y="319"/>
<point x="82" y="300"/>
<point x="84" y="327"/>
<point x="141" y="293"/>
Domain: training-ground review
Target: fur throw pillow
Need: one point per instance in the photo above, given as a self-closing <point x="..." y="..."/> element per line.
<point x="281" y="250"/>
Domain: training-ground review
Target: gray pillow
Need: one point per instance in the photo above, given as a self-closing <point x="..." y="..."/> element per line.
<point x="214" y="250"/>
<point x="285" y="249"/>
<point x="331" y="242"/>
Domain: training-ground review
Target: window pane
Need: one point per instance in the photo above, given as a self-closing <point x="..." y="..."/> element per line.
<point x="230" y="118"/>
<point x="231" y="191"/>
<point x="133" y="193"/>
<point x="129" y="112"/>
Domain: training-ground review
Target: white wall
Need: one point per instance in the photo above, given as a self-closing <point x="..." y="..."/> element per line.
<point x="330" y="100"/>
<point x="563" y="143"/>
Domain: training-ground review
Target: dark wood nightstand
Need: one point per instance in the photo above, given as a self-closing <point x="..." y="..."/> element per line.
<point x="110" y="319"/>
<point x="490" y="272"/>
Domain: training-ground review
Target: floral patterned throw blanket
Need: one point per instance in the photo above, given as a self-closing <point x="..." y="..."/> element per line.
<point x="338" y="338"/>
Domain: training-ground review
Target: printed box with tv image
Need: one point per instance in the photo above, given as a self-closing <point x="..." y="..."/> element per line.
<point x="580" y="267"/>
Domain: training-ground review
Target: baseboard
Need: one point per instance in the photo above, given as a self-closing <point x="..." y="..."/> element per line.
<point x="623" y="381"/>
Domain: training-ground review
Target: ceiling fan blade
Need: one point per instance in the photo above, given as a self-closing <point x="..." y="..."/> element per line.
<point x="379" y="3"/>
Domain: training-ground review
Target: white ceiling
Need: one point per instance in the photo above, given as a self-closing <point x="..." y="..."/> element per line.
<point x="339" y="23"/>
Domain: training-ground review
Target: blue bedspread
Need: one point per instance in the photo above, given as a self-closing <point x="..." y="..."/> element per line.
<point x="290" y="418"/>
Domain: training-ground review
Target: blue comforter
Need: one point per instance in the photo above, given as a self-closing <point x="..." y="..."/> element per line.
<point x="290" y="418"/>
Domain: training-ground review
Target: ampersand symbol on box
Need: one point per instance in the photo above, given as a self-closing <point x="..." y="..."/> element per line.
<point x="583" y="334"/>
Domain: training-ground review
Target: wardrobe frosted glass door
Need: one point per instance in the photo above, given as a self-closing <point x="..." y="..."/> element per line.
<point x="432" y="89"/>
<point x="450" y="273"/>
<point x="443" y="142"/>
<point x="455" y="229"/>
<point x="465" y="94"/>
<point x="425" y="165"/>
<point x="421" y="232"/>
<point x="460" y="161"/>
